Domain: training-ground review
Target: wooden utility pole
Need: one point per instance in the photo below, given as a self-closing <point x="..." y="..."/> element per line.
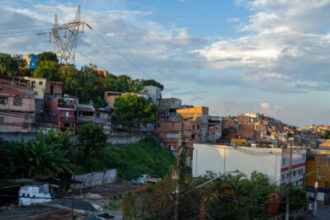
<point x="287" y="212"/>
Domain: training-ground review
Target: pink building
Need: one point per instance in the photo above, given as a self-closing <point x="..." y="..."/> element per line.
<point x="17" y="110"/>
<point x="53" y="88"/>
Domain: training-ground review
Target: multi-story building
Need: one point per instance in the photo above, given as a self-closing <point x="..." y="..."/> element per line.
<point x="199" y="115"/>
<point x="63" y="113"/>
<point x="274" y="162"/>
<point x="318" y="170"/>
<point x="214" y="129"/>
<point x="17" y="110"/>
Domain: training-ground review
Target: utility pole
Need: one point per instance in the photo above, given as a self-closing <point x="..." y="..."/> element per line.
<point x="287" y="212"/>
<point x="316" y="186"/>
<point x="177" y="170"/>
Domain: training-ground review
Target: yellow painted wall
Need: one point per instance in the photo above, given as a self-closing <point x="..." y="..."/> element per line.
<point x="324" y="171"/>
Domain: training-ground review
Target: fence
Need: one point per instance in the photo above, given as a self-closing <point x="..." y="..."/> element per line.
<point x="95" y="179"/>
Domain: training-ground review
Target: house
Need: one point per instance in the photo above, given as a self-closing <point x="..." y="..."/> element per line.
<point x="85" y="113"/>
<point x="317" y="164"/>
<point x="154" y="93"/>
<point x="63" y="113"/>
<point x="198" y="115"/>
<point x="274" y="162"/>
<point x="17" y="110"/>
<point x="38" y="85"/>
<point x="53" y="89"/>
<point x="214" y="129"/>
<point x="167" y="108"/>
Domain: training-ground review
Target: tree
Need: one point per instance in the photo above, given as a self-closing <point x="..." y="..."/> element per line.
<point x="152" y="82"/>
<point x="134" y="110"/>
<point x="92" y="138"/>
<point x="8" y="66"/>
<point x="47" y="56"/>
<point x="48" y="70"/>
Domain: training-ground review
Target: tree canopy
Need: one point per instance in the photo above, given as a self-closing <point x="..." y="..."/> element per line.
<point x="134" y="110"/>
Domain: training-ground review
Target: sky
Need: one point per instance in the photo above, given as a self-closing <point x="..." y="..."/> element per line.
<point x="267" y="56"/>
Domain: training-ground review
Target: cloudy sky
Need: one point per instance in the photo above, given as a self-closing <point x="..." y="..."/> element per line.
<point x="269" y="56"/>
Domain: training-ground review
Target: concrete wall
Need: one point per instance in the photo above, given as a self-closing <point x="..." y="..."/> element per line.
<point x="120" y="138"/>
<point x="96" y="178"/>
<point x="115" y="138"/>
<point x="270" y="161"/>
<point x="221" y="159"/>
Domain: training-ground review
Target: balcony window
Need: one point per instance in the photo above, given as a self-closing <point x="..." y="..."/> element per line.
<point x="3" y="100"/>
<point x="17" y="101"/>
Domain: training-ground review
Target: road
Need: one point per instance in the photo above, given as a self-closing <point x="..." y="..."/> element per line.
<point x="323" y="213"/>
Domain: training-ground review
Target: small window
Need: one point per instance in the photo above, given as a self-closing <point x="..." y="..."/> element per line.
<point x="40" y="83"/>
<point x="17" y="101"/>
<point x="1" y="119"/>
<point x="283" y="161"/>
<point x="33" y="85"/>
<point x="3" y="100"/>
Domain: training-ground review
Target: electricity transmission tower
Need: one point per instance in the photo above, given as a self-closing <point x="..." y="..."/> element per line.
<point x="227" y="106"/>
<point x="65" y="37"/>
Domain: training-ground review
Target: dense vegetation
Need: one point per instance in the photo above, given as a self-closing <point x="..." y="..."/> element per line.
<point x="227" y="197"/>
<point x="86" y="84"/>
<point x="133" y="110"/>
<point x="53" y="155"/>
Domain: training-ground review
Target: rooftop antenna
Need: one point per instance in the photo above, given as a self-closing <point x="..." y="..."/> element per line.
<point x="65" y="37"/>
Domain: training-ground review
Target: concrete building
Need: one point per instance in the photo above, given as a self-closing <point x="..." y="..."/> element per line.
<point x="63" y="113"/>
<point x="167" y="108"/>
<point x="214" y="129"/>
<point x="17" y="110"/>
<point x="199" y="115"/>
<point x="154" y="93"/>
<point x="38" y="85"/>
<point x="274" y="162"/>
<point x="318" y="160"/>
<point x="53" y="89"/>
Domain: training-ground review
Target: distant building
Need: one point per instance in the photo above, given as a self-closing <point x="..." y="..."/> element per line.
<point x="253" y="115"/>
<point x="214" y="129"/>
<point x="199" y="115"/>
<point x="167" y="108"/>
<point x="154" y="93"/>
<point x="274" y="162"/>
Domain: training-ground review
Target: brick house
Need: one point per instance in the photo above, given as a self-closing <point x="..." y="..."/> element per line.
<point x="17" y="109"/>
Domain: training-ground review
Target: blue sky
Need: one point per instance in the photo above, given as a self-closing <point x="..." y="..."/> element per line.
<point x="267" y="56"/>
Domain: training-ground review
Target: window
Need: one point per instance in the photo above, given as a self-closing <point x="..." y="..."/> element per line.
<point x="3" y="100"/>
<point x="17" y="101"/>
<point x="33" y="85"/>
<point x="51" y="90"/>
<point x="40" y="83"/>
<point x="1" y="119"/>
<point x="283" y="161"/>
<point x="294" y="173"/>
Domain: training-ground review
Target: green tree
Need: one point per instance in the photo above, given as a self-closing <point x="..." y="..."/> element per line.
<point x="134" y="110"/>
<point x="47" y="56"/>
<point x="48" y="70"/>
<point x="92" y="138"/>
<point x="152" y="82"/>
<point x="8" y="66"/>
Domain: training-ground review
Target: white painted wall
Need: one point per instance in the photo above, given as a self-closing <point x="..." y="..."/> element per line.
<point x="221" y="159"/>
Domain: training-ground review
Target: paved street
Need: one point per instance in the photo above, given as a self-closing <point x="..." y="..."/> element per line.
<point x="322" y="214"/>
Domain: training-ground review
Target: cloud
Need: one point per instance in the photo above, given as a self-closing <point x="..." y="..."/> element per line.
<point x="268" y="109"/>
<point x="284" y="47"/>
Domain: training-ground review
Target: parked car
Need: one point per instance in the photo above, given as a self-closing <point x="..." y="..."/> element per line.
<point x="153" y="180"/>
<point x="141" y="179"/>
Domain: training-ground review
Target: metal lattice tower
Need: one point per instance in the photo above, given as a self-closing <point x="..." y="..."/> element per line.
<point x="65" y="37"/>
